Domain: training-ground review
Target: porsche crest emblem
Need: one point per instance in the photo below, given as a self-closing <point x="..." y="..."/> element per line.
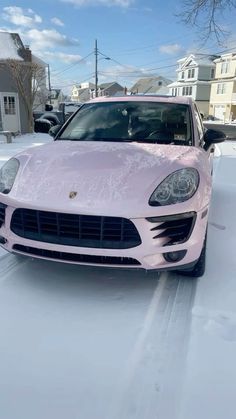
<point x="72" y="194"/>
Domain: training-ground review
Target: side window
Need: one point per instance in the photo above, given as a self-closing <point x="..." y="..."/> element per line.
<point x="199" y="122"/>
<point x="9" y="105"/>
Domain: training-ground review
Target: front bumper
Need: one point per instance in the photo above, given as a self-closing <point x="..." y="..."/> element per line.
<point x="148" y="255"/>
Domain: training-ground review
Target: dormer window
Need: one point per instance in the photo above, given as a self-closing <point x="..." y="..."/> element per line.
<point x="182" y="75"/>
<point x="191" y="73"/>
<point x="225" y="67"/>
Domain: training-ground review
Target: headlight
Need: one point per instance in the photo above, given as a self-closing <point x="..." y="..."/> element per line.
<point x="8" y="174"/>
<point x="177" y="187"/>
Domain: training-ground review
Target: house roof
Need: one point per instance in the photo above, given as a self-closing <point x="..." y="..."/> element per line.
<point x="105" y="86"/>
<point x="84" y="94"/>
<point x="197" y="59"/>
<point x="11" y="46"/>
<point x="150" y="84"/>
<point x="57" y="93"/>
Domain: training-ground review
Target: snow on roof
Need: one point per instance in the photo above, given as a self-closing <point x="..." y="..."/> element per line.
<point x="10" y="45"/>
<point x="197" y="60"/>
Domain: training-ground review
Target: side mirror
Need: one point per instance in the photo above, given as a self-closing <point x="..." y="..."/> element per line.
<point x="212" y="136"/>
<point x="54" y="130"/>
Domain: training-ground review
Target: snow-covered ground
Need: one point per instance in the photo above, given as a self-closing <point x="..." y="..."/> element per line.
<point x="93" y="343"/>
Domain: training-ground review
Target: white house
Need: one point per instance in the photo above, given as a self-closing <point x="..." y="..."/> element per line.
<point x="223" y="89"/>
<point x="56" y="96"/>
<point x="82" y="92"/>
<point x="194" y="75"/>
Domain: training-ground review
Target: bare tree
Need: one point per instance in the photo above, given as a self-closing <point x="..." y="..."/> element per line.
<point x="27" y="77"/>
<point x="205" y="15"/>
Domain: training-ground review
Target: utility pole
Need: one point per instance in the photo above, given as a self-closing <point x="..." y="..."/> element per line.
<point x="49" y="85"/>
<point x="96" y="68"/>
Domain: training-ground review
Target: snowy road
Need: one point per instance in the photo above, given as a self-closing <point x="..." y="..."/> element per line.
<point x="85" y="343"/>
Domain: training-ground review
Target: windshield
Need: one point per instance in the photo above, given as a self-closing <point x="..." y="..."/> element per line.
<point x="153" y="122"/>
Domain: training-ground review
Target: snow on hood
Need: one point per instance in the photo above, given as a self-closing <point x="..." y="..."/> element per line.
<point x="104" y="175"/>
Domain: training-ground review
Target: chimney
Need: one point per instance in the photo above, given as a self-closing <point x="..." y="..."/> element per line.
<point x="27" y="53"/>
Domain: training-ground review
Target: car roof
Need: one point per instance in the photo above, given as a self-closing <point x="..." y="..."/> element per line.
<point x="145" y="98"/>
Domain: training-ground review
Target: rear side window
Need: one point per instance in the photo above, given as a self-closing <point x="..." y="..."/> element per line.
<point x="199" y="122"/>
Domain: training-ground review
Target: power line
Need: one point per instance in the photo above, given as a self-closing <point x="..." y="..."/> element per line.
<point x="89" y="77"/>
<point x="73" y="65"/>
<point x="125" y="74"/>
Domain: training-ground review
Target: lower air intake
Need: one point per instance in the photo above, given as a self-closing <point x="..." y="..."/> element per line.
<point x="76" y="258"/>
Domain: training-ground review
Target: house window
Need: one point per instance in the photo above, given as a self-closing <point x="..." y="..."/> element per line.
<point x="182" y="75"/>
<point x="225" y="67"/>
<point x="187" y="91"/>
<point x="191" y="73"/>
<point x="160" y="83"/>
<point x="9" y="105"/>
<point x="221" y="88"/>
<point x="174" y="91"/>
<point x="212" y="73"/>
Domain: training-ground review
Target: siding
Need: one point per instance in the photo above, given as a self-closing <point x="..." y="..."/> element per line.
<point x="7" y="85"/>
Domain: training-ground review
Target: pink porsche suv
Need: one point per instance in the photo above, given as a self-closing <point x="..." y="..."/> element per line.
<point x="126" y="183"/>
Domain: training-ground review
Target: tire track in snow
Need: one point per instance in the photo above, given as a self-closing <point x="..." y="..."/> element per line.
<point x="10" y="263"/>
<point x="154" y="372"/>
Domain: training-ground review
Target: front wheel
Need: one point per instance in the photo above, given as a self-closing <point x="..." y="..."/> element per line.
<point x="199" y="268"/>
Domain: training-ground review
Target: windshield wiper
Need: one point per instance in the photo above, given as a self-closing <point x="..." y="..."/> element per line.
<point x="110" y="140"/>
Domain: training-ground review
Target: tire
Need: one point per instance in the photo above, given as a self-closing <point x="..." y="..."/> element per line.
<point x="199" y="268"/>
<point x="42" y="125"/>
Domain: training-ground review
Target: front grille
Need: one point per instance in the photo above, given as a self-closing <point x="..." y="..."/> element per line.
<point x="2" y="214"/>
<point x="75" y="230"/>
<point x="176" y="229"/>
<point x="72" y="257"/>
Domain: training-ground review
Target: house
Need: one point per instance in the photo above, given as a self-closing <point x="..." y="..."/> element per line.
<point x="151" y="85"/>
<point x="82" y="92"/>
<point x="223" y="88"/>
<point x="86" y="91"/>
<point x="194" y="75"/>
<point x="13" y="111"/>
<point x="110" y="89"/>
<point x="56" y="96"/>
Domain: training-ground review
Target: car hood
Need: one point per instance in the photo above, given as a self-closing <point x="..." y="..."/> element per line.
<point x="103" y="177"/>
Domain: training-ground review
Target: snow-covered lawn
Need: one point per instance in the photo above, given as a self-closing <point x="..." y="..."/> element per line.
<point x="85" y="343"/>
<point x="19" y="143"/>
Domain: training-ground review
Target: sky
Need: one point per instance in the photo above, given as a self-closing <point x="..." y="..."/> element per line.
<point x="135" y="38"/>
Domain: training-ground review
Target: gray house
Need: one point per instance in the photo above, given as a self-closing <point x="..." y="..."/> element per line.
<point x="151" y="85"/>
<point x="14" y="116"/>
<point x="110" y="89"/>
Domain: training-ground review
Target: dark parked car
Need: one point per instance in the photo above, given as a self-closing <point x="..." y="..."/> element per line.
<point x="66" y="109"/>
